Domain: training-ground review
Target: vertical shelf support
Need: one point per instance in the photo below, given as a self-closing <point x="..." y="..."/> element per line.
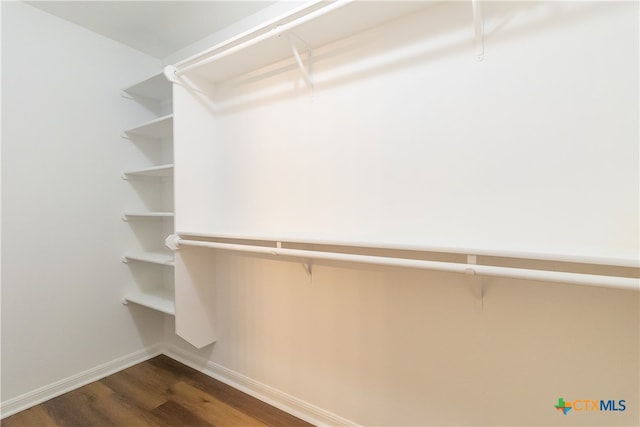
<point x="306" y="74"/>
<point x="478" y="27"/>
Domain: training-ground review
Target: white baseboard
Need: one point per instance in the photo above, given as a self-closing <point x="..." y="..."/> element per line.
<point x="73" y="382"/>
<point x="268" y="394"/>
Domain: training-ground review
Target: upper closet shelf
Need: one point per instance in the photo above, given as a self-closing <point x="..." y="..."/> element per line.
<point x="157" y="88"/>
<point x="303" y="29"/>
<point x="161" y="127"/>
<point x="155" y="171"/>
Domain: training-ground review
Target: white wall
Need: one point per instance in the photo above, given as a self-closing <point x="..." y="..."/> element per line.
<point x="378" y="346"/>
<point x="558" y="89"/>
<point x="399" y="347"/>
<point x="62" y="199"/>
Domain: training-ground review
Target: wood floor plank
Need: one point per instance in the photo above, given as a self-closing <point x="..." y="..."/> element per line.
<point x="136" y="390"/>
<point x="119" y="411"/>
<point x="75" y="409"/>
<point x="160" y="392"/>
<point x="96" y="391"/>
<point x="174" y="414"/>
<point x="36" y="416"/>
<point x="156" y="377"/>
<point x="243" y="402"/>
<point x="231" y="396"/>
<point x="210" y="408"/>
<point x="171" y="368"/>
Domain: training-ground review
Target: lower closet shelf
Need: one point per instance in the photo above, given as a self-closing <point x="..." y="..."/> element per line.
<point x="150" y="256"/>
<point x="141" y="215"/>
<point x="157" y="299"/>
<point x="154" y="171"/>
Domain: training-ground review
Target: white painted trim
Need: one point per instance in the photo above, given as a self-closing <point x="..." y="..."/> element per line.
<point x="268" y="394"/>
<point x="78" y="380"/>
<point x="274" y="397"/>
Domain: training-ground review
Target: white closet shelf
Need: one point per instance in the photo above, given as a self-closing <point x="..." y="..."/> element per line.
<point x="154" y="171"/>
<point x="296" y="238"/>
<point x="155" y="87"/>
<point x="310" y="27"/>
<point x="142" y="215"/>
<point x="161" y="127"/>
<point x="154" y="257"/>
<point x="162" y="300"/>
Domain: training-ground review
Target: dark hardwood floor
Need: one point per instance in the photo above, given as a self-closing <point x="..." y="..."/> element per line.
<point x="158" y="392"/>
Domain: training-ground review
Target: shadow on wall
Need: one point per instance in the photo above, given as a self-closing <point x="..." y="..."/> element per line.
<point x="389" y="346"/>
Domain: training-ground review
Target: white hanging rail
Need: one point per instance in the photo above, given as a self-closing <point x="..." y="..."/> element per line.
<point x="175" y="242"/>
<point x="318" y="23"/>
<point x="210" y="57"/>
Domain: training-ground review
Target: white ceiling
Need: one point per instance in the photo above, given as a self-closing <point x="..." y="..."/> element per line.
<point x="157" y="28"/>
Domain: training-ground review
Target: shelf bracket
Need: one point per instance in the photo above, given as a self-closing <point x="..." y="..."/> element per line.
<point x="306" y="74"/>
<point x="307" y="267"/>
<point x="477" y="282"/>
<point x="478" y="27"/>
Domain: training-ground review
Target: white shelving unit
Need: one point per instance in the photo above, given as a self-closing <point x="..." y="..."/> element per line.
<point x="238" y="106"/>
<point x="151" y="263"/>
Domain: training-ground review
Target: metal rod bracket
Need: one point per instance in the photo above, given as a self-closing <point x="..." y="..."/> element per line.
<point x="306" y="73"/>
<point x="307" y="267"/>
<point x="477" y="282"/>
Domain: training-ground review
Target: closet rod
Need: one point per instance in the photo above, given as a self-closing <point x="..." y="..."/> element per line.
<point x="496" y="253"/>
<point x="175" y="242"/>
<point x="279" y="29"/>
